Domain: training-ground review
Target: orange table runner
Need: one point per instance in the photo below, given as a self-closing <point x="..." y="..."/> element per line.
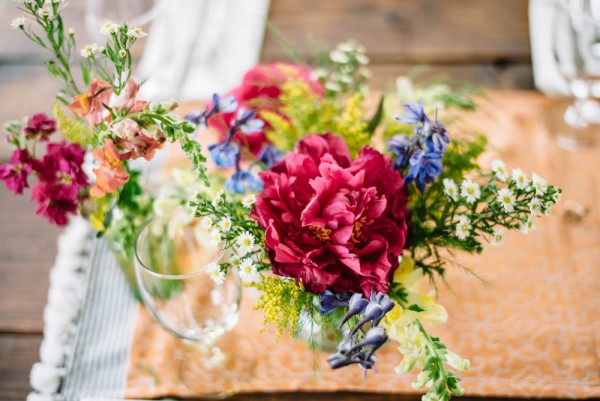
<point x="534" y="331"/>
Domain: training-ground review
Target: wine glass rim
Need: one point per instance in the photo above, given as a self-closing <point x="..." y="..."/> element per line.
<point x="170" y="276"/>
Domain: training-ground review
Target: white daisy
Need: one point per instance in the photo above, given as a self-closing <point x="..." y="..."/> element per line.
<point x="248" y="201"/>
<point x="463" y="228"/>
<point x="225" y="224"/>
<point x="507" y="200"/>
<point x="556" y="196"/>
<point x="89" y="50"/>
<point x="470" y="191"/>
<point x="215" y="236"/>
<point x="136" y="33"/>
<point x="535" y="206"/>
<point x="71" y="31"/>
<point x="450" y="189"/>
<point x="235" y="261"/>
<point x="206" y="223"/>
<point x="109" y="28"/>
<point x="538" y="184"/>
<point x="215" y="273"/>
<point x="17" y="23"/>
<point x="45" y="13"/>
<point x="245" y="242"/>
<point x="499" y="169"/>
<point x="498" y="237"/>
<point x="528" y="226"/>
<point x="520" y="178"/>
<point x="248" y="271"/>
<point x="339" y="57"/>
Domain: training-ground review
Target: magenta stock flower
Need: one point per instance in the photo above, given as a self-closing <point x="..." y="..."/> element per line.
<point x="332" y="222"/>
<point x="15" y="173"/>
<point x="39" y="125"/>
<point x="51" y="203"/>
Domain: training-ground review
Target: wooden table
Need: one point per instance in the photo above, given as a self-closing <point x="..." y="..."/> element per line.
<point x="28" y="248"/>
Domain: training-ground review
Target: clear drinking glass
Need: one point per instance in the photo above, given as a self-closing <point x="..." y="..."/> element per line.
<point x="576" y="48"/>
<point x="173" y="258"/>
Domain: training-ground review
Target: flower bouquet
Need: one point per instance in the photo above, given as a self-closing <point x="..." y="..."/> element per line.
<point x="334" y="207"/>
<point x="336" y="214"/>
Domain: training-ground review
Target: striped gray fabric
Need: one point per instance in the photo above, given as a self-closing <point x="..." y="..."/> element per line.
<point x="101" y="344"/>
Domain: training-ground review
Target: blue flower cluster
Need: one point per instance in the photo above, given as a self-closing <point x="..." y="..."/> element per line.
<point x="358" y="346"/>
<point x="227" y="153"/>
<point x="422" y="153"/>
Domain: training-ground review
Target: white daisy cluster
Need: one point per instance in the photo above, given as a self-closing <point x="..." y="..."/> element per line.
<point x="109" y="28"/>
<point x="509" y="200"/>
<point x="348" y="72"/>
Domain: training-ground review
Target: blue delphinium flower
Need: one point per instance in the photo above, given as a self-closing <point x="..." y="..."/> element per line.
<point x="358" y="347"/>
<point x="423" y="153"/>
<point x="226" y="105"/>
<point x="400" y="147"/>
<point x="269" y="155"/>
<point x="242" y="180"/>
<point x="414" y="113"/>
<point x="224" y="153"/>
<point x="246" y="122"/>
<point x="424" y="168"/>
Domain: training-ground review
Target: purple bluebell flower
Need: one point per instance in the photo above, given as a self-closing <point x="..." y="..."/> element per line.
<point x="269" y="155"/>
<point x="424" y="168"/>
<point x="414" y="113"/>
<point x="356" y="347"/>
<point x="356" y="306"/>
<point x="224" y="153"/>
<point x="331" y="300"/>
<point x="246" y="122"/>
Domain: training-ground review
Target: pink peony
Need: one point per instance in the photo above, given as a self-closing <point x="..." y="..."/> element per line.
<point x="260" y="90"/>
<point x="39" y="125"/>
<point x="15" y="173"/>
<point x="332" y="222"/>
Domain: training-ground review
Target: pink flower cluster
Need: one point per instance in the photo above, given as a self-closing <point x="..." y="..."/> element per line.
<point x="61" y="180"/>
<point x="332" y="222"/>
<point x="131" y="141"/>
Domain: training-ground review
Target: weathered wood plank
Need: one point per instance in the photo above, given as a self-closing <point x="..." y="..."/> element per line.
<point x="17" y="355"/>
<point x="27" y="251"/>
<point x="407" y="31"/>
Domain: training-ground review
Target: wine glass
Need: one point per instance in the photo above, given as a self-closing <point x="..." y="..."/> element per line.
<point x="576" y="49"/>
<point x="174" y="266"/>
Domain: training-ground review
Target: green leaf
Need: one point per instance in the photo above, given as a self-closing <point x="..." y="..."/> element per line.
<point x="416" y="308"/>
<point x="377" y="117"/>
